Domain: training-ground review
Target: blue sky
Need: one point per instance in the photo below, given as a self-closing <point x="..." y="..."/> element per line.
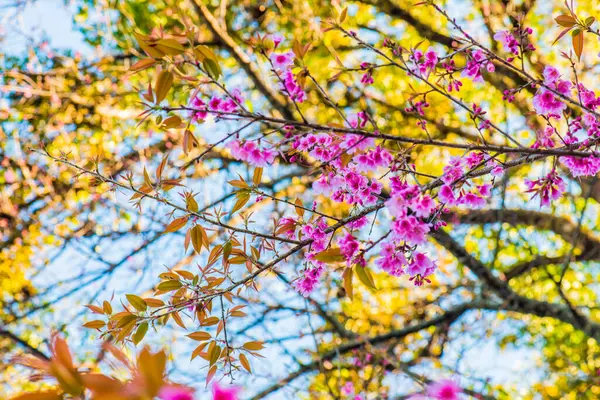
<point x="44" y="18"/>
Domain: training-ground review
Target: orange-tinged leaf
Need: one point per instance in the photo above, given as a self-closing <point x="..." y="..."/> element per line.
<point x="191" y="204"/>
<point x="238" y="314"/>
<point x="200" y="336"/>
<point x="245" y="363"/>
<point x="143" y="64"/>
<point x="163" y="85"/>
<point x="257" y="177"/>
<point x="168" y="275"/>
<point x="343" y="15"/>
<point x="203" y="52"/>
<point x="100" y="383"/>
<point x="210" y="321"/>
<point x="154" y="303"/>
<point x="205" y="240"/>
<point x="215" y="353"/>
<point x="173" y="121"/>
<point x="196" y="236"/>
<point x="147" y="44"/>
<point x="214" y="254"/>
<point x="176" y="224"/>
<point x="107" y="307"/>
<point x="198" y="350"/>
<point x="161" y="168"/>
<point x="299" y="211"/>
<point x="61" y="352"/>
<point x="562" y="33"/>
<point x="238" y="183"/>
<point x="126" y="320"/>
<point x="178" y="319"/>
<point x="211" y="373"/>
<point x="578" y="44"/>
<point x="254" y="346"/>
<point x="565" y="20"/>
<point x="95" y="309"/>
<point x="237" y="260"/>
<point x="118" y="354"/>
<point x="96" y="324"/>
<point x="185" y="274"/>
<point x="189" y="141"/>
<point x="42" y="395"/>
<point x="152" y="367"/>
<point x="32" y="362"/>
<point x="347" y="276"/>
<point x="241" y="202"/>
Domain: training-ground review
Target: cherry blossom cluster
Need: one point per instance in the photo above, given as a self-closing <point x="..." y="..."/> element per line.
<point x="282" y="65"/>
<point x="172" y="392"/>
<point x="216" y="104"/>
<point x="361" y="171"/>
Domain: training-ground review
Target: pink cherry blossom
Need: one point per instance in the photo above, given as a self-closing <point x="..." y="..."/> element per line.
<point x="549" y="188"/>
<point x="582" y="166"/>
<point x="545" y="103"/>
<point x="173" y="392"/>
<point x="444" y="390"/>
<point x="508" y="40"/>
<point x="283" y="61"/>
<point x="223" y="393"/>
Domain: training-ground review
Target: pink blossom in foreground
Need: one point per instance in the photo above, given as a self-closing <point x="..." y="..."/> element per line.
<point x="251" y="153"/>
<point x="172" y="392"/>
<point x="223" y="393"/>
<point x="549" y="188"/>
<point x="545" y="103"/>
<point x="476" y="64"/>
<point x="551" y="75"/>
<point x="582" y="166"/>
<point x="306" y="284"/>
<point x="198" y="104"/>
<point x="420" y="268"/>
<point x="291" y="88"/>
<point x="508" y="40"/>
<point x="391" y="259"/>
<point x="544" y="139"/>
<point x="444" y="390"/>
<point x="283" y="61"/>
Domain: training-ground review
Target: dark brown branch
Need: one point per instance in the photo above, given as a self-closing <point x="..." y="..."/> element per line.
<point x="22" y="342"/>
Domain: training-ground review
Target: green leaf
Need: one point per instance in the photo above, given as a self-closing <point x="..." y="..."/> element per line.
<point x="242" y="199"/>
<point x="196" y="236"/>
<point x="168" y="286"/>
<point x="140" y="333"/>
<point x="330" y="255"/>
<point x="170" y="46"/>
<point x="212" y="67"/>
<point x="347" y="276"/>
<point x="365" y="276"/>
<point x="137" y="302"/>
